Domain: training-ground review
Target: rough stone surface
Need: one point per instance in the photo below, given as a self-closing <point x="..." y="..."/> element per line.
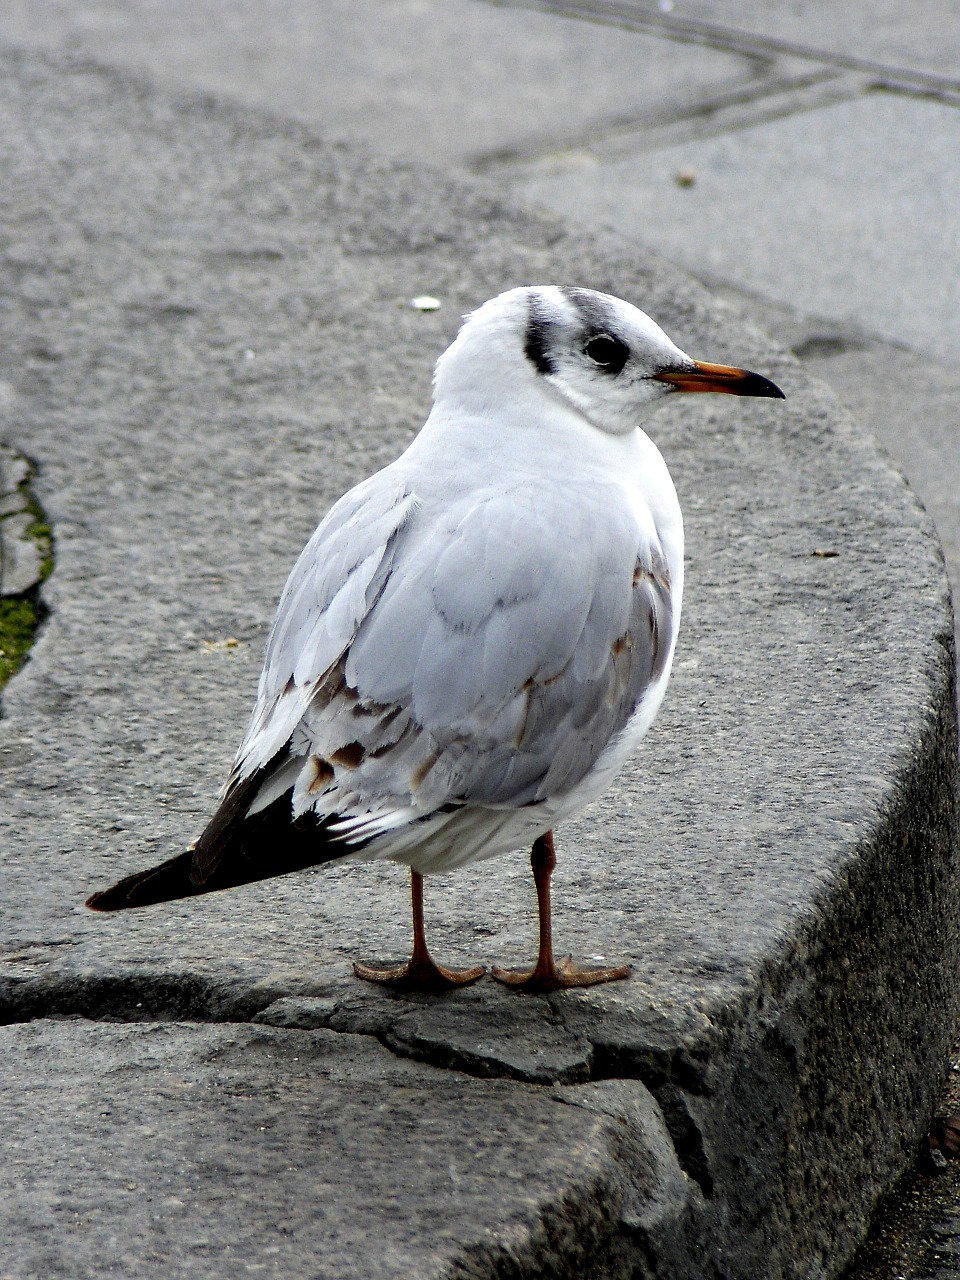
<point x="908" y="399"/>
<point x="629" y="84"/>
<point x="14" y="472"/>
<point x="453" y="80"/>
<point x="915" y="1235"/>
<point x="882" y="32"/>
<point x="205" y="327"/>
<point x="861" y="165"/>
<point x="186" y="1150"/>
<point x="21" y="558"/>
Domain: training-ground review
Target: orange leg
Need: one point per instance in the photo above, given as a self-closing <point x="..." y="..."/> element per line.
<point x="547" y="974"/>
<point x="421" y="972"/>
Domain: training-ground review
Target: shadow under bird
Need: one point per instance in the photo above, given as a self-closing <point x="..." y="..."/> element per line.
<point x="477" y="637"/>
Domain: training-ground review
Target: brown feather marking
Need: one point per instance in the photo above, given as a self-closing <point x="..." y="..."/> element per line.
<point x="658" y="574"/>
<point x="527" y="690"/>
<point x="421" y="772"/>
<point x="322" y="774"/>
<point x="350" y="756"/>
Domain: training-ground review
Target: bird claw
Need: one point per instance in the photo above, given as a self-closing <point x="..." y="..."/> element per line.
<point x="419" y="975"/>
<point x="558" y="977"/>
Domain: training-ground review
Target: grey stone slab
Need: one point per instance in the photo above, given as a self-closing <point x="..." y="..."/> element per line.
<point x="204" y="321"/>
<point x="14" y="472"/>
<point x="484" y="1032"/>
<point x="911" y="403"/>
<point x="849" y="211"/>
<point x="20" y="554"/>
<point x="882" y="31"/>
<point x="20" y="557"/>
<point x="217" y="1152"/>
<point x="916" y="1236"/>
<point x="907" y="399"/>
<point x="438" y="80"/>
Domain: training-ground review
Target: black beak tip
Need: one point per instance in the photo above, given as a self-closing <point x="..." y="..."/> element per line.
<point x="755" y="384"/>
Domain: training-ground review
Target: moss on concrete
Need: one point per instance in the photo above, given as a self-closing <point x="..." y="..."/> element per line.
<point x="18" y="623"/>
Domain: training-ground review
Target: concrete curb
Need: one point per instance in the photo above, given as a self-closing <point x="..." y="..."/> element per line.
<point x="206" y="339"/>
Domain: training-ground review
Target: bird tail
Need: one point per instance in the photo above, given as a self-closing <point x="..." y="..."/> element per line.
<point x="168" y="881"/>
<point x="233" y="850"/>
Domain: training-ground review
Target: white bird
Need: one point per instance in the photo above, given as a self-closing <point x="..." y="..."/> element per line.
<point x="477" y="637"/>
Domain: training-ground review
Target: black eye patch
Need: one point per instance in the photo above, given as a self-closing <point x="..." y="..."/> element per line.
<point x="537" y="342"/>
<point x="608" y="352"/>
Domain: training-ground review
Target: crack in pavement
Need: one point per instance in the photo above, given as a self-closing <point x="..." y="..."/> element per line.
<point x="698" y="31"/>
<point x="526" y="1040"/>
<point x="737" y="108"/>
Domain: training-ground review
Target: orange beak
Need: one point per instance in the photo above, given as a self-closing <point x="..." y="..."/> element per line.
<point x="722" y="378"/>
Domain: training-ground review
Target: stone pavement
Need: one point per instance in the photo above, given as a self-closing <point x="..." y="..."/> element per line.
<point x="821" y="140"/>
<point x="174" y="262"/>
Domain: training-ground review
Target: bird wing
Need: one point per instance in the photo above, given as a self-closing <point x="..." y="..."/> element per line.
<point x="483" y="652"/>
<point x="329" y="592"/>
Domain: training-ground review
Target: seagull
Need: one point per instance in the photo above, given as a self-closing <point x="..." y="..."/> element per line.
<point x="477" y="637"/>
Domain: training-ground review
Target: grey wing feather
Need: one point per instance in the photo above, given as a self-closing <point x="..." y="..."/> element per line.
<point x="519" y="642"/>
<point x="326" y="597"/>
<point x="484" y="652"/>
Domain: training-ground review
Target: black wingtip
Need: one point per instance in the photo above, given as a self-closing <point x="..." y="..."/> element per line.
<point x="168" y="881"/>
<point x="245" y="850"/>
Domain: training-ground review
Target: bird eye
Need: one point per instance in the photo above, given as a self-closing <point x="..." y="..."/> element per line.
<point x="608" y="352"/>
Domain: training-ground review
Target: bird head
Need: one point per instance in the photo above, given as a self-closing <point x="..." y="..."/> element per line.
<point x="602" y="356"/>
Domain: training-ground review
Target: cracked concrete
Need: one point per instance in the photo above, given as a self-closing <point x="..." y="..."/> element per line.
<point x="466" y="1178"/>
<point x="892" y="43"/>
<point x="205" y="329"/>
<point x="830" y="143"/>
<point x="21" y="556"/>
